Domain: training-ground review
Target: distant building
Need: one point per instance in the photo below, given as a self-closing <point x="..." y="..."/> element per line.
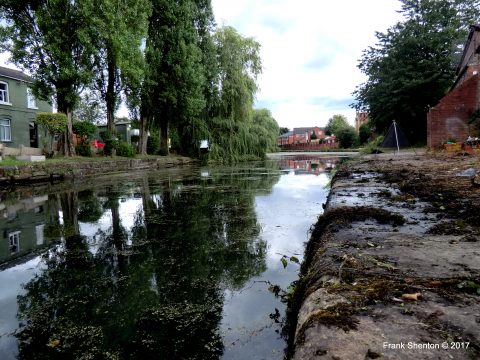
<point x="451" y="118"/>
<point x="360" y="119"/>
<point x="301" y="135"/>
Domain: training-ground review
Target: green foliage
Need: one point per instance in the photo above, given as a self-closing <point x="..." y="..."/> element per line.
<point x="364" y="133"/>
<point x="175" y="84"/>
<point x="239" y="65"/>
<point x="124" y="149"/>
<point x="335" y="124"/>
<point x="267" y="127"/>
<point x="118" y="28"/>
<point x="313" y="136"/>
<point x="90" y="109"/>
<point x="373" y="146"/>
<point x="84" y="149"/>
<point x="49" y="39"/>
<point x="233" y="142"/>
<point x="347" y="137"/>
<point x="153" y="143"/>
<point x="86" y="130"/>
<point x="52" y="123"/>
<point x="109" y="140"/>
<point x="413" y="65"/>
<point x="284" y="130"/>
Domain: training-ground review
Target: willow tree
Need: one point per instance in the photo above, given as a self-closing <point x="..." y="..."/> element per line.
<point x="49" y="39"/>
<point x="118" y="28"/>
<point x="239" y="65"/>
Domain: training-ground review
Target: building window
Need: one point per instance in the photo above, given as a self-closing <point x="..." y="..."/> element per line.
<point x="5" y="130"/>
<point x="4" y="93"/>
<point x="14" y="242"/>
<point x="31" y="100"/>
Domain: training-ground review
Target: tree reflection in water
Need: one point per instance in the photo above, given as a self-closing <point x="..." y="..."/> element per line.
<point x="155" y="290"/>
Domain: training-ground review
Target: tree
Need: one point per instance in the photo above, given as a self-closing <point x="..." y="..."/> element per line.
<point x="173" y="89"/>
<point x="48" y="39"/>
<point x="364" y="133"/>
<point x="347" y="137"/>
<point x="118" y="29"/>
<point x="239" y="66"/>
<point x="413" y="64"/>
<point x="89" y="108"/>
<point x="335" y="124"/>
<point x="263" y="120"/>
<point x="52" y="124"/>
<point x="284" y="130"/>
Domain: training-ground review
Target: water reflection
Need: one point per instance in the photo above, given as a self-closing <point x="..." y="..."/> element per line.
<point x="170" y="265"/>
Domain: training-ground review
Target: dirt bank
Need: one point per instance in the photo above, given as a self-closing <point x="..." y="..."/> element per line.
<point x="392" y="270"/>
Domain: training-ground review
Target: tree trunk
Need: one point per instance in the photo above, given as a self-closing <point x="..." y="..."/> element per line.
<point x="64" y="108"/>
<point x="142" y="142"/>
<point x="70" y="148"/>
<point x="110" y="97"/>
<point x="164" y="137"/>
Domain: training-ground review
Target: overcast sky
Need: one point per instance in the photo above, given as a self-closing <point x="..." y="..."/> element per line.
<point x="310" y="50"/>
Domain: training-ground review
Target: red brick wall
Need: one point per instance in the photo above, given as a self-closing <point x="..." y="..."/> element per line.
<point x="449" y="119"/>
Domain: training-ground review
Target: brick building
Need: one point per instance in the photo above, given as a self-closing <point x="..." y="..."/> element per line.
<point x="300" y="136"/>
<point x="360" y="119"/>
<point x="449" y="119"/>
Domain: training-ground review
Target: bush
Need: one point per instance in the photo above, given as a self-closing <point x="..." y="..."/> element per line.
<point x="108" y="139"/>
<point x="372" y="147"/>
<point x="153" y="143"/>
<point x="364" y="133"/>
<point x="347" y="137"/>
<point x="124" y="149"/>
<point x="84" y="129"/>
<point x="84" y="149"/>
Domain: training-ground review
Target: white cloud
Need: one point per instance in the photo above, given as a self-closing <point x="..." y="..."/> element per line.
<point x="310" y="50"/>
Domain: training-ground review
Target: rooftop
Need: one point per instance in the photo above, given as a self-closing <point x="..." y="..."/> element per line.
<point x="14" y="74"/>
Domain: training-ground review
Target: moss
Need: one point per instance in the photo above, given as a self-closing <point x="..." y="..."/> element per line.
<point x="340" y="315"/>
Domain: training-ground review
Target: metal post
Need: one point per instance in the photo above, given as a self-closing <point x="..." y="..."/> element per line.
<point x="396" y="136"/>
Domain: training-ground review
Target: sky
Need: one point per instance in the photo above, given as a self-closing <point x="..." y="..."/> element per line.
<point x="310" y="51"/>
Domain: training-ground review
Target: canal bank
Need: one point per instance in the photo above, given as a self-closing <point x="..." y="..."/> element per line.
<point x="392" y="269"/>
<point x="79" y="168"/>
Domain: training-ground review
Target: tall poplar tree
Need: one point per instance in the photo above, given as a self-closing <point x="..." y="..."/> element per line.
<point x="173" y="87"/>
<point x="49" y="40"/>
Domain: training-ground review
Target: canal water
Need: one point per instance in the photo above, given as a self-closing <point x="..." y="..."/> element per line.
<point x="190" y="263"/>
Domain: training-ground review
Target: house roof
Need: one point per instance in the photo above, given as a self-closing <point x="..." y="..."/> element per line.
<point x="14" y="74"/>
<point x="473" y="29"/>
<point x="286" y="135"/>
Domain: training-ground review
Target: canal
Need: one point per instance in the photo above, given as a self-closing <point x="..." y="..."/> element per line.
<point x="186" y="263"/>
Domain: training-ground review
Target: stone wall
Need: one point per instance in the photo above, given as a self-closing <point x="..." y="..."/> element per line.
<point x="44" y="172"/>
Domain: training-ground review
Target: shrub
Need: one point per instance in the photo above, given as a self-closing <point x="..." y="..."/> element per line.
<point x="108" y="139"/>
<point x="84" y="129"/>
<point x="84" y="149"/>
<point x="153" y="143"/>
<point x="124" y="149"/>
<point x="347" y="137"/>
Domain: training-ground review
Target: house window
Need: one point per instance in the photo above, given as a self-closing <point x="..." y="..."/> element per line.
<point x="31" y="100"/>
<point x="4" y="93"/>
<point x="5" y="130"/>
<point x="14" y="242"/>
